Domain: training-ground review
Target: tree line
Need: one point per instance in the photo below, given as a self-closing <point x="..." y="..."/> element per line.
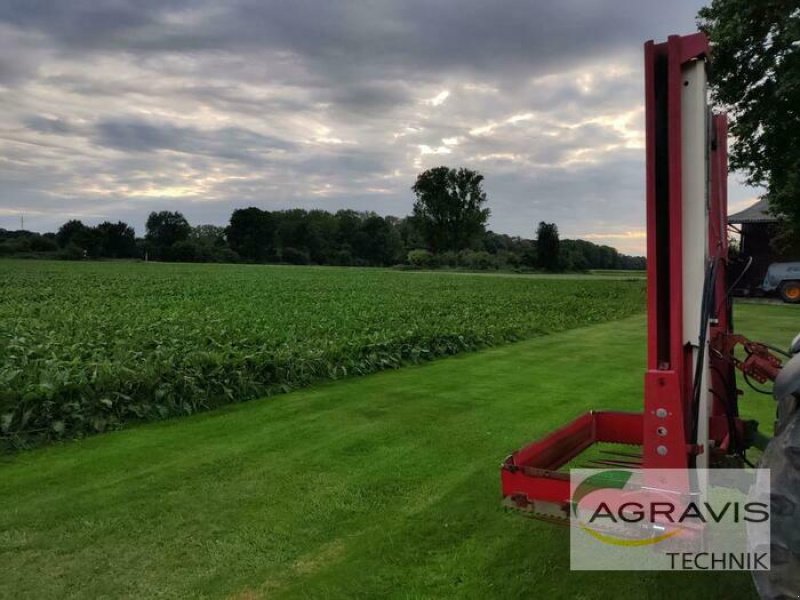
<point x="756" y="79"/>
<point x="447" y="228"/>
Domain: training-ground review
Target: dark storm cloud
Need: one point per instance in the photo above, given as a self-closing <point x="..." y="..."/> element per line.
<point x="80" y="23"/>
<point x="347" y="164"/>
<point x="113" y="108"/>
<point x="472" y="35"/>
<point x="52" y="125"/>
<point x="370" y="98"/>
<point x="229" y="142"/>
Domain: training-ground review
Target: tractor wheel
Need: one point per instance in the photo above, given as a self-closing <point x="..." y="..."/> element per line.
<point x="782" y="458"/>
<point x="790" y="292"/>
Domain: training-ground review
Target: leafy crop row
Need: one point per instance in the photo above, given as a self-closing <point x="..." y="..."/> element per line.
<point x="85" y="348"/>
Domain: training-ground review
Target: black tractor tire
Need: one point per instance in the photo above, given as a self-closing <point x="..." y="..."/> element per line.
<point x="790" y="291"/>
<point x="782" y="458"/>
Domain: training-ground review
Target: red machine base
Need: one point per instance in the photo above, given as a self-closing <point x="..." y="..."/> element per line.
<point x="531" y="477"/>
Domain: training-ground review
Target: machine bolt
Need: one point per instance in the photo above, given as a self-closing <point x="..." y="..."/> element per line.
<point x="661" y="450"/>
<point x="661" y="413"/>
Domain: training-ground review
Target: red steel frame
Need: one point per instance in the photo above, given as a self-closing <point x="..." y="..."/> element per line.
<point x="530" y="477"/>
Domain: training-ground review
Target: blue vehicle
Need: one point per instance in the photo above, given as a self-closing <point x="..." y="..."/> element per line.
<point x="783" y="279"/>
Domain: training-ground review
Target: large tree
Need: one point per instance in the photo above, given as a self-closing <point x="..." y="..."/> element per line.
<point x="449" y="209"/>
<point x="251" y="233"/>
<point x="83" y="239"/>
<point x="548" y="246"/>
<point x="756" y="78"/>
<point x="117" y="240"/>
<point x="166" y="228"/>
<point x="73" y="232"/>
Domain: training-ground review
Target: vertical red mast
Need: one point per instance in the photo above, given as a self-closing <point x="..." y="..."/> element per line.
<point x="676" y="265"/>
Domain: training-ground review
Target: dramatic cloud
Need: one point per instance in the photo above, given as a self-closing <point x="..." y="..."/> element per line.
<point x="114" y="108"/>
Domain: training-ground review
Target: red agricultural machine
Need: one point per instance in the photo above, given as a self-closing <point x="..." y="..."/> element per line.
<point x="691" y="416"/>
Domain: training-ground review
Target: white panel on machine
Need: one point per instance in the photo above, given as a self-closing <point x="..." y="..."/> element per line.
<point x="694" y="166"/>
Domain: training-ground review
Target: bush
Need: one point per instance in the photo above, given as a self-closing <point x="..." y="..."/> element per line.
<point x="184" y="251"/>
<point x="71" y="252"/>
<point x="343" y="258"/>
<point x="508" y="260"/>
<point x="293" y="256"/>
<point x="448" y="259"/>
<point x="482" y="260"/>
<point x="42" y="244"/>
<point x="226" y="255"/>
<point x="420" y="259"/>
<point x="19" y="245"/>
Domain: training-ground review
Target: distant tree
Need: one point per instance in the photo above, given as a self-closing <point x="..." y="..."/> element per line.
<point x="449" y="208"/>
<point x="321" y="234"/>
<point x="756" y="78"/>
<point x="638" y="263"/>
<point x="206" y="243"/>
<point x="376" y="242"/>
<point x="495" y="242"/>
<point x="164" y="229"/>
<point x="293" y="230"/>
<point x="251" y="234"/>
<point x="72" y="232"/>
<point x="573" y="256"/>
<point x="89" y="240"/>
<point x="410" y="235"/>
<point x="116" y="240"/>
<point x="547" y="246"/>
<point x="299" y="236"/>
<point x="211" y="235"/>
<point x="23" y="242"/>
<point x="40" y="243"/>
<point x="348" y="224"/>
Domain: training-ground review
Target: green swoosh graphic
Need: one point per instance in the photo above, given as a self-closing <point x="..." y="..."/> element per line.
<point x="604" y="480"/>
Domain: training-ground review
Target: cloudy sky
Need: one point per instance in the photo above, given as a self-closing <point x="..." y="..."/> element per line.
<point x="110" y="109"/>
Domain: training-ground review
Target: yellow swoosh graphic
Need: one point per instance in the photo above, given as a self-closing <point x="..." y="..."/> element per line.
<point x="608" y="539"/>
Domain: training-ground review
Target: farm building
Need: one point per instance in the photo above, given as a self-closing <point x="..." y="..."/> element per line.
<point x="756" y="228"/>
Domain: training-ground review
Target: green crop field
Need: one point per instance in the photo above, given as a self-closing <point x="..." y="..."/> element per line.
<point x="87" y="347"/>
<point x="384" y="486"/>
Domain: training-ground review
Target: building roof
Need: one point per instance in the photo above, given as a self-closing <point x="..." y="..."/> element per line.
<point x="757" y="213"/>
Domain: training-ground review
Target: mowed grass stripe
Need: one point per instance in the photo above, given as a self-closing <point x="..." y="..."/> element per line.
<point x="382" y="486"/>
<point x="88" y="347"/>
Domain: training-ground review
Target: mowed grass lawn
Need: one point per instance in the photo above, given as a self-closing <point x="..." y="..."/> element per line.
<point x="381" y="486"/>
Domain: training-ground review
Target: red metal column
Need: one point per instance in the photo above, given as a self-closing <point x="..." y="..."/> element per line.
<point x="668" y="381"/>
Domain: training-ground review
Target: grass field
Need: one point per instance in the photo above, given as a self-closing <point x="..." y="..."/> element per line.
<point x="381" y="486"/>
<point x="617" y="273"/>
<point x="87" y="347"/>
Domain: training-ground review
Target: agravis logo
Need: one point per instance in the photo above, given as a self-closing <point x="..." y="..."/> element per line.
<point x="665" y="519"/>
<point x="593" y="524"/>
